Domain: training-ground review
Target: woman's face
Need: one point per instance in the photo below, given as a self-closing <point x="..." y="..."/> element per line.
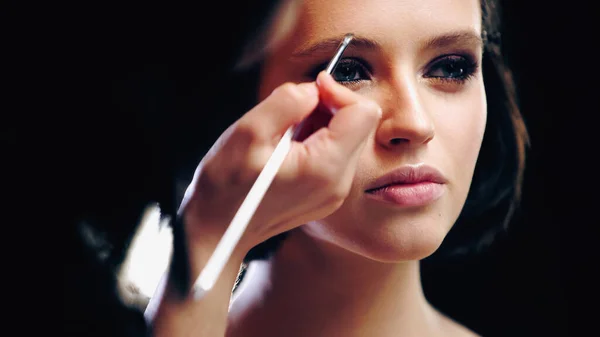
<point x="420" y="61"/>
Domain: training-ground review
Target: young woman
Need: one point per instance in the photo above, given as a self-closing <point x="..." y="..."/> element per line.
<point x="424" y="136"/>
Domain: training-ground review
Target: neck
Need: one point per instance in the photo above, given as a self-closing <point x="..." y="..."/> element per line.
<point x="313" y="288"/>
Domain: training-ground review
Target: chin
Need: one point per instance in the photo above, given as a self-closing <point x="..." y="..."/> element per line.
<point x="408" y="243"/>
<point x="388" y="243"/>
<point x="401" y="251"/>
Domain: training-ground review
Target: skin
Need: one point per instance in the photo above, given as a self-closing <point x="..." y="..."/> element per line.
<point x="441" y="124"/>
<point x="350" y="266"/>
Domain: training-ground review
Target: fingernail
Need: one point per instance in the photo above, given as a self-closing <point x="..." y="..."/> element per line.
<point x="319" y="77"/>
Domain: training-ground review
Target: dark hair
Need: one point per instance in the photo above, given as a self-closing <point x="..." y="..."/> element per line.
<point x="496" y="187"/>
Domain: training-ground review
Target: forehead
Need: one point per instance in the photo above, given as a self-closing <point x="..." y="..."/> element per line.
<point x="387" y="21"/>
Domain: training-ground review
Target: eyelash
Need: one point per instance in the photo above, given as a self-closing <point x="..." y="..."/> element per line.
<point x="355" y="63"/>
<point x="465" y="63"/>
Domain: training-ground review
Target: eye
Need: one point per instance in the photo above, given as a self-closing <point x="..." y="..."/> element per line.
<point x="347" y="71"/>
<point x="350" y="70"/>
<point x="452" y="68"/>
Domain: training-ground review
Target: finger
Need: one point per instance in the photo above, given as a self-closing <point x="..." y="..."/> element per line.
<point x="355" y="116"/>
<point x="287" y="105"/>
<point x="333" y="95"/>
<point x="347" y="130"/>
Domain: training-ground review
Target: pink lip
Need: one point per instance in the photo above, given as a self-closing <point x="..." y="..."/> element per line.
<point x="410" y="185"/>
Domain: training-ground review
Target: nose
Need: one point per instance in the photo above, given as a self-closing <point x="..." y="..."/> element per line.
<point x="405" y="121"/>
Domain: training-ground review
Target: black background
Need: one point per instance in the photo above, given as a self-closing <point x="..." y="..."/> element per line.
<point x="147" y="82"/>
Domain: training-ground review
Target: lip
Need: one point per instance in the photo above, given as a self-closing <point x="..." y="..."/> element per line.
<point x="409" y="185"/>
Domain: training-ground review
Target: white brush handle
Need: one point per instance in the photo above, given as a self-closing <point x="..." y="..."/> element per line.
<point x="234" y="232"/>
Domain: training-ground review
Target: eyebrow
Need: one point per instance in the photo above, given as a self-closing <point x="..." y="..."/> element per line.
<point x="467" y="37"/>
<point x="328" y="45"/>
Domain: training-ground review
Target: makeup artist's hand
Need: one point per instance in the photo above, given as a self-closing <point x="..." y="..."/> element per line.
<point x="312" y="182"/>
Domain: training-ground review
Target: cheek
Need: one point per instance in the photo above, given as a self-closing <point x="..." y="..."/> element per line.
<point x="268" y="81"/>
<point x="460" y="128"/>
<point x="273" y="73"/>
